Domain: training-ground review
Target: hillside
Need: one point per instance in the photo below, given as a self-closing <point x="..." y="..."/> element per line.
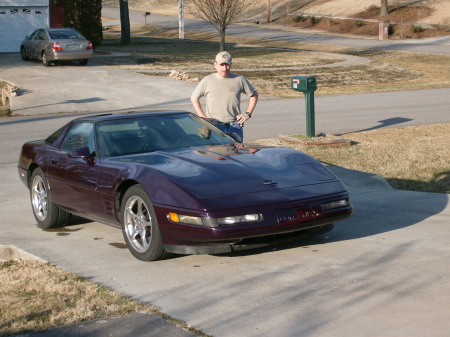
<point x="439" y="9"/>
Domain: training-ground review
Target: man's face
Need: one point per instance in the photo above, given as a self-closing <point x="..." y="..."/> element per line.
<point x="223" y="70"/>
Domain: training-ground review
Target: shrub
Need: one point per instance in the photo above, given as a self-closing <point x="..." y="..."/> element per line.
<point x="314" y="20"/>
<point x="332" y="22"/>
<point x="85" y="16"/>
<point x="299" y="18"/>
<point x="417" y="29"/>
<point x="359" y="23"/>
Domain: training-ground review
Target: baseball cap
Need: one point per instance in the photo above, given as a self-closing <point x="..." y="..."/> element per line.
<point x="224" y="57"/>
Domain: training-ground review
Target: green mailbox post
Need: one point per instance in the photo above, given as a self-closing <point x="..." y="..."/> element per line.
<point x="307" y="85"/>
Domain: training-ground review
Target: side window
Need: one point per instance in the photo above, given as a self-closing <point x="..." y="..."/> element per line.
<point x="79" y="135"/>
<point x="41" y="35"/>
<point x="34" y="35"/>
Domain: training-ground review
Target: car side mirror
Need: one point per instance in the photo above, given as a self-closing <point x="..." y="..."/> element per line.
<point x="80" y="152"/>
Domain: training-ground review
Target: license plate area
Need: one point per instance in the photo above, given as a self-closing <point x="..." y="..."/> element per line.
<point x="74" y="47"/>
<point x="294" y="216"/>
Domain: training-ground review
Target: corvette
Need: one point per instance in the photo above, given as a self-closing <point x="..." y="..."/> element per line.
<point x="174" y="183"/>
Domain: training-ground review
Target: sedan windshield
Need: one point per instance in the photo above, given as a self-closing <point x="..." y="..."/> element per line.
<point x="118" y="137"/>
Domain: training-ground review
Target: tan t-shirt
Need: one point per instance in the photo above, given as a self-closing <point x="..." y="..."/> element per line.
<point x="223" y="95"/>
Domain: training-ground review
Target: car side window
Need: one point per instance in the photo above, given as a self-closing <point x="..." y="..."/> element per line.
<point x="79" y="135"/>
<point x="34" y="35"/>
<point x="41" y="35"/>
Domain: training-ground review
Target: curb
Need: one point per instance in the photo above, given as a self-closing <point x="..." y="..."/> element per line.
<point x="8" y="253"/>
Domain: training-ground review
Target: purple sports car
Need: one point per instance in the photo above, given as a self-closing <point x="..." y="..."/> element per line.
<point x="174" y="183"/>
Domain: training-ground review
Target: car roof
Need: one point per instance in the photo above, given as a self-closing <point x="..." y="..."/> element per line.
<point x="131" y="114"/>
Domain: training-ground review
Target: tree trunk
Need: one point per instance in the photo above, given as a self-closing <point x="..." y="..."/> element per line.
<point x="124" y="22"/>
<point x="222" y="39"/>
<point x="384" y="8"/>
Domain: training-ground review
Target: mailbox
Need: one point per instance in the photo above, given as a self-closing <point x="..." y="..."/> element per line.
<point x="307" y="85"/>
<point x="304" y="83"/>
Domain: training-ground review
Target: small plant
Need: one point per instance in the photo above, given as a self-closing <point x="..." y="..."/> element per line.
<point x="299" y="18"/>
<point x="359" y="23"/>
<point x="314" y="20"/>
<point x="332" y="22"/>
<point x="417" y="29"/>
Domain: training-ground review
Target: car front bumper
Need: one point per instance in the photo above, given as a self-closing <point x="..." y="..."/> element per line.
<point x="280" y="223"/>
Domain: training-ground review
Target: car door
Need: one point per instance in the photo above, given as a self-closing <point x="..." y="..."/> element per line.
<point x="72" y="177"/>
<point x="30" y="44"/>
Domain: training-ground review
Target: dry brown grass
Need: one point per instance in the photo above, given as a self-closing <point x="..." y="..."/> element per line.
<point x="37" y="296"/>
<point x="411" y="158"/>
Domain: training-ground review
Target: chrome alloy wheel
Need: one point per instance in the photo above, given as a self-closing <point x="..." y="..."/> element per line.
<point x="39" y="198"/>
<point x="138" y="224"/>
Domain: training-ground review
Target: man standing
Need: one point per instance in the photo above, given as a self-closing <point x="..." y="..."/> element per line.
<point x="223" y="97"/>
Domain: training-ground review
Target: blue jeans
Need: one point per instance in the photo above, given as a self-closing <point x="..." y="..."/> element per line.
<point x="233" y="129"/>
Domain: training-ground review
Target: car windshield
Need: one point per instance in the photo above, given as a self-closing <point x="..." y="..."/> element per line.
<point x="118" y="137"/>
<point x="65" y="35"/>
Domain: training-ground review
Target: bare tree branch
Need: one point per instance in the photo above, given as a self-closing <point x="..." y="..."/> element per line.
<point x="220" y="13"/>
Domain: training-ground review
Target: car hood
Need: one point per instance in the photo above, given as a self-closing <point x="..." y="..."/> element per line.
<point x="220" y="170"/>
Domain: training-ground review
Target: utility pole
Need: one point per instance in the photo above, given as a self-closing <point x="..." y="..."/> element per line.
<point x="180" y="19"/>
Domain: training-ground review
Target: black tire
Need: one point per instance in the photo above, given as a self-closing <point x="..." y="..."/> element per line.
<point x="45" y="60"/>
<point x="23" y="54"/>
<point x="83" y="62"/>
<point x="140" y="227"/>
<point x="47" y="214"/>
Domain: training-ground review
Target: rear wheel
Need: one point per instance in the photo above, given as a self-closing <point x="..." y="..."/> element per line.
<point x="23" y="54"/>
<point x="45" y="60"/>
<point x="139" y="226"/>
<point x="47" y="214"/>
<point x="83" y="62"/>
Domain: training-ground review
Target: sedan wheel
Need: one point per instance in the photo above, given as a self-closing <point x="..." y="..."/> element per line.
<point x="45" y="60"/>
<point x="23" y="54"/>
<point x="45" y="212"/>
<point x="140" y="227"/>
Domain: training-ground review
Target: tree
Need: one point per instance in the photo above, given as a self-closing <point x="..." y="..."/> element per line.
<point x="125" y="34"/>
<point x="220" y="13"/>
<point x="86" y="17"/>
<point x="384" y="8"/>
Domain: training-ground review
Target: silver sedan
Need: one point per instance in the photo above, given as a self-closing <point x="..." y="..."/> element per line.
<point x="51" y="45"/>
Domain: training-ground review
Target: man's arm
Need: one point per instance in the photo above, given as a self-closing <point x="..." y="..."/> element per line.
<point x="197" y="106"/>
<point x="251" y="106"/>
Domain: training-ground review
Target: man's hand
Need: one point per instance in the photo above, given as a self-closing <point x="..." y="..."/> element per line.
<point x="242" y="118"/>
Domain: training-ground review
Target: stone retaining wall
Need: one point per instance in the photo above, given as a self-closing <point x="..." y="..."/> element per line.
<point x="7" y="91"/>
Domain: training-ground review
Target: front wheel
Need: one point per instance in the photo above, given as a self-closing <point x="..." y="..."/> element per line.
<point x="139" y="226"/>
<point x="23" y="54"/>
<point x="47" y="214"/>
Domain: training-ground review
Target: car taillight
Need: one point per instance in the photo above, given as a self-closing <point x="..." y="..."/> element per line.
<point x="89" y="46"/>
<point x="56" y="46"/>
